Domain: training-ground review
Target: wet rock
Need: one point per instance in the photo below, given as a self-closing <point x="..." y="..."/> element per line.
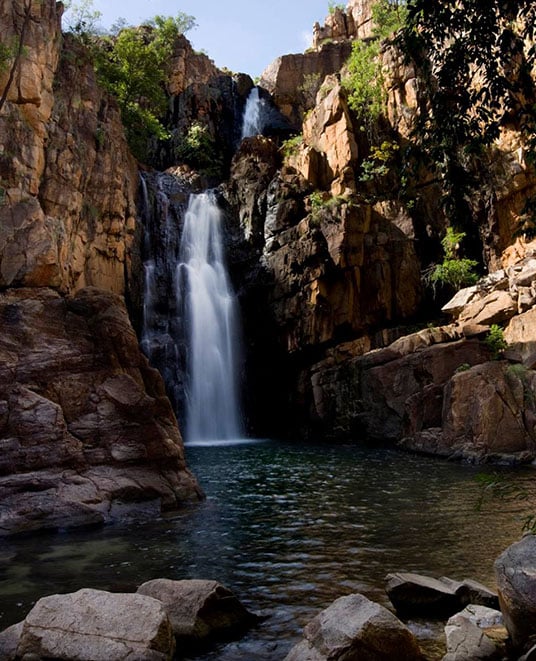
<point x="93" y="625"/>
<point x="415" y="594"/>
<point x="355" y="628"/>
<point x="200" y="611"/>
<point x="476" y="632"/>
<point x="515" y="571"/>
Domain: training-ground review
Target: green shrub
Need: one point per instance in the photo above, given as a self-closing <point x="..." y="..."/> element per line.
<point x="364" y="82"/>
<point x="462" y="368"/>
<point x="454" y="271"/>
<point x="377" y="163"/>
<point x="495" y="341"/>
<point x="133" y="66"/>
<point x="291" y="146"/>
<point x="198" y="149"/>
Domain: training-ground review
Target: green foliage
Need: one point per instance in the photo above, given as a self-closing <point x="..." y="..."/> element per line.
<point x="495" y="341"/>
<point x="388" y="16"/>
<point x="334" y="6"/>
<point x="81" y="19"/>
<point x="6" y="55"/>
<point x="473" y="60"/>
<point x="379" y="160"/>
<point x="133" y="66"/>
<point x="198" y="149"/>
<point x="454" y="271"/>
<point x="462" y="368"/>
<point x="320" y="201"/>
<point x="451" y="242"/>
<point x="364" y="82"/>
<point x="291" y="146"/>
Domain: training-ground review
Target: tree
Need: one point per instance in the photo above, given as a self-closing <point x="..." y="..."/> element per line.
<point x="475" y="59"/>
<point x="132" y="64"/>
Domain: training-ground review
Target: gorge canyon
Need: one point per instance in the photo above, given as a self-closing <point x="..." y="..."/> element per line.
<point x="343" y="339"/>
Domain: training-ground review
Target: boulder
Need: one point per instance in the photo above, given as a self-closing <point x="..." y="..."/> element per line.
<point x="355" y="628"/>
<point x="93" y="625"/>
<point x="521" y="335"/>
<point x="515" y="571"/>
<point x="496" y="307"/>
<point x="200" y="611"/>
<point x="9" y="641"/>
<point x="415" y="594"/>
<point x="477" y="632"/>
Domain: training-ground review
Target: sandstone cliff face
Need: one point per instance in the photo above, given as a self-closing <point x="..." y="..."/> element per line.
<point x="341" y="257"/>
<point x="87" y="433"/>
<point x="68" y="209"/>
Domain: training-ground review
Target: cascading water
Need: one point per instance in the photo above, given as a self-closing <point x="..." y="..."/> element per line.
<point x="253" y="121"/>
<point x="212" y="326"/>
<point x="191" y="331"/>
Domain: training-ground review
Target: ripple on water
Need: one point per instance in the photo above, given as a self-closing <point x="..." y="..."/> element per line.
<point x="289" y="528"/>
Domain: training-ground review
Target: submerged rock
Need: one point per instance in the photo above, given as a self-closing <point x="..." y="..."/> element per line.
<point x="355" y="628"/>
<point x="416" y="594"/>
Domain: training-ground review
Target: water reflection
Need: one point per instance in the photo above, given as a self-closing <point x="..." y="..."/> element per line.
<point x="289" y="528"/>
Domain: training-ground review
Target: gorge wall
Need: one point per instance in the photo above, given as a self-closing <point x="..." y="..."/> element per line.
<point x="75" y="450"/>
<point x="340" y="264"/>
<point x="343" y="338"/>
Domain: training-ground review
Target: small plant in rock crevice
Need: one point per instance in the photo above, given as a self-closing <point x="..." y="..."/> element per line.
<point x="454" y="271"/>
<point x="291" y="146"/>
<point x="495" y="341"/>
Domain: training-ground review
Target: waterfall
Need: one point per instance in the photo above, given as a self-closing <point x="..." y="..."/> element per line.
<point x="212" y="326"/>
<point x="254" y="120"/>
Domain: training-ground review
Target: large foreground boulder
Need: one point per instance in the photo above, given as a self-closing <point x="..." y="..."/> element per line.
<point x="354" y="627"/>
<point x="200" y="611"/>
<point x="93" y="625"/>
<point x="515" y="571"/>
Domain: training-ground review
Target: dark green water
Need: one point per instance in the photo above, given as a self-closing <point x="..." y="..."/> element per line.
<point x="289" y="528"/>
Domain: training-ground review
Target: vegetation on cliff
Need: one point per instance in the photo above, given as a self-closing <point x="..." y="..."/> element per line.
<point x="132" y="63"/>
<point x="475" y="62"/>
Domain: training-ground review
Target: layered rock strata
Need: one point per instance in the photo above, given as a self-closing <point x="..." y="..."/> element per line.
<point x="87" y="433"/>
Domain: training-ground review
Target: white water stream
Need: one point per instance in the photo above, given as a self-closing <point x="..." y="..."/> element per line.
<point x="212" y="326"/>
<point x="254" y="119"/>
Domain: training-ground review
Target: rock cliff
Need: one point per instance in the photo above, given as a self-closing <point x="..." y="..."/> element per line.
<point x="87" y="432"/>
<point x="342" y="243"/>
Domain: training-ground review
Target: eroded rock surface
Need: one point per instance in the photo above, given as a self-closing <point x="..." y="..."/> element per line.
<point x="93" y="625"/>
<point x="353" y="627"/>
<point x="515" y="571"/>
<point x="87" y="432"/>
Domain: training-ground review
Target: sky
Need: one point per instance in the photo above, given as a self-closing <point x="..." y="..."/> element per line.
<point x="244" y="36"/>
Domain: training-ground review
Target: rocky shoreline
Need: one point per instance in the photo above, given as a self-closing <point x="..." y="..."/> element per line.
<point x="169" y="619"/>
